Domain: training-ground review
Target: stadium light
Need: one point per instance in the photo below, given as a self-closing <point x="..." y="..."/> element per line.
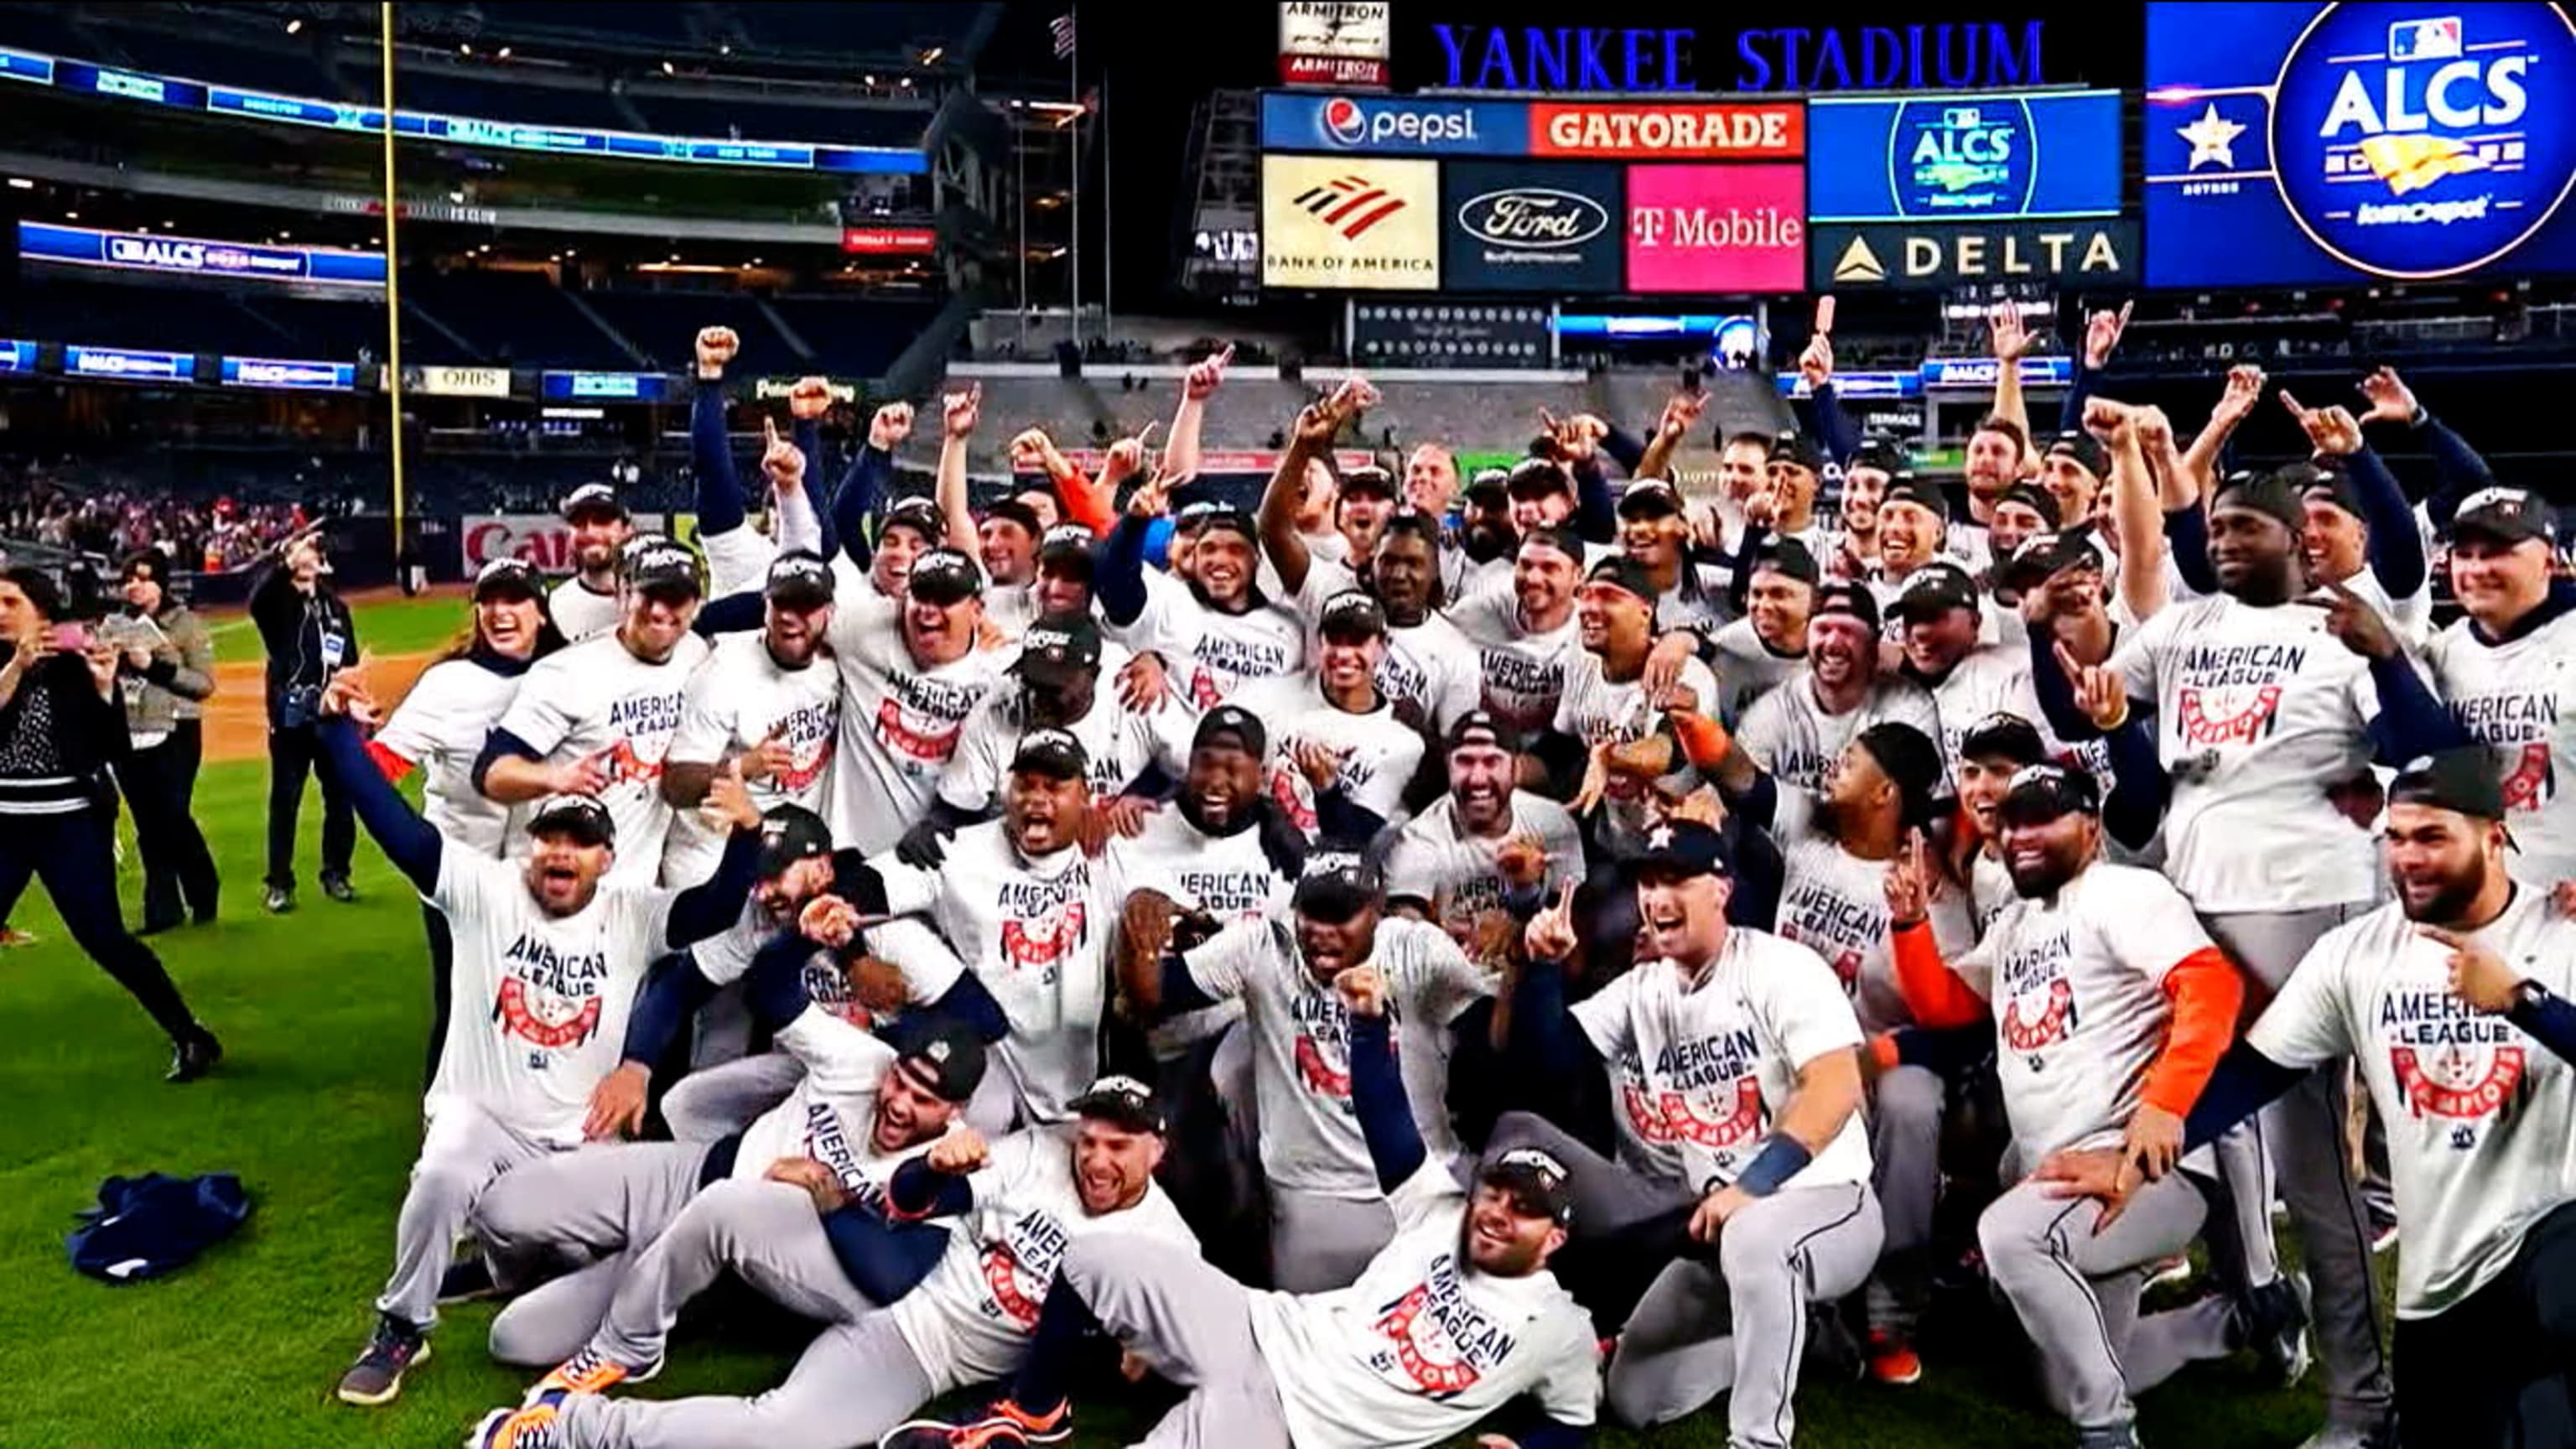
<point x="504" y="52"/>
<point x="932" y="55"/>
<point x="294" y="25"/>
<point x="871" y="80"/>
<point x="463" y="49"/>
<point x="21" y="183"/>
<point x="669" y="69"/>
<point x="71" y="216"/>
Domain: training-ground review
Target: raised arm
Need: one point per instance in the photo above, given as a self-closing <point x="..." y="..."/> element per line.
<point x="410" y="842"/>
<point x="958" y="412"/>
<point x="1312" y="437"/>
<point x="719" y="487"/>
<point x="2012" y="342"/>
<point x="2133" y="502"/>
<point x="2235" y="403"/>
<point x="2396" y="548"/>
<point x="2101" y="338"/>
<point x="1395" y="1144"/>
<point x="1181" y="454"/>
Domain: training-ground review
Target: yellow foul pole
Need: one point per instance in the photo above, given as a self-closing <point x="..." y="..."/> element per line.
<point x="393" y="284"/>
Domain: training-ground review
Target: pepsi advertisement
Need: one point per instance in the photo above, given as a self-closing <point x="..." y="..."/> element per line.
<point x="1508" y="227"/>
<point x="2298" y="143"/>
<point x="1394" y="125"/>
<point x="1964" y="158"/>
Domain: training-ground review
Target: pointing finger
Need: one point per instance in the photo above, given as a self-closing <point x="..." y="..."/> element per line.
<point x="2437" y="934"/>
<point x="1224" y="358"/>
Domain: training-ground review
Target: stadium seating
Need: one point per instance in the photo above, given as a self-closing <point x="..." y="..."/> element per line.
<point x="783" y="120"/>
<point x="664" y="326"/>
<point x="518" y="318"/>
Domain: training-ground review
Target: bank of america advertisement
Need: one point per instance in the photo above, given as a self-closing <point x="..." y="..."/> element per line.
<point x="1359" y="222"/>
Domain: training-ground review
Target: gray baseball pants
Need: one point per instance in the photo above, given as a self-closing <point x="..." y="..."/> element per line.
<point x="714" y="1102"/>
<point x="465" y="1151"/>
<point x="1193" y="1325"/>
<point x="767" y="1233"/>
<point x="1319" y="1242"/>
<point x="853" y="1383"/>
<point x="2076" y="1291"/>
<point x="1905" y="1107"/>
<point x="2305" y="1131"/>
<point x="578" y="1222"/>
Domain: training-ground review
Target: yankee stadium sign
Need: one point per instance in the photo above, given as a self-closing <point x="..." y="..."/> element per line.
<point x="1937" y="55"/>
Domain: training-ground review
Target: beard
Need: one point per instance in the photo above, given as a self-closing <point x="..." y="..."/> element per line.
<point x="1486" y="542"/>
<point x="2448" y="903"/>
<point x="2042" y="880"/>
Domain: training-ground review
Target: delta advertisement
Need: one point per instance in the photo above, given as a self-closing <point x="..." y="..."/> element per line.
<point x="2304" y="143"/>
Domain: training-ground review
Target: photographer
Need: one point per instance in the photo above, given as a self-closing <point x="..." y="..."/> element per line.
<point x="309" y="635"/>
<point x="169" y="668"/>
<point x="60" y="728"/>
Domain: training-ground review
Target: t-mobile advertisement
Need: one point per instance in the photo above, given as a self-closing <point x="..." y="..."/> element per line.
<point x="1717" y="228"/>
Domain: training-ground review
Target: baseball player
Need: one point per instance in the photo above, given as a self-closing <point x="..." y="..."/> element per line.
<point x="1019" y="1204"/>
<point x="1797" y="730"/>
<point x="1758" y="653"/>
<point x="1428" y="663"/>
<point x="598" y="718"/>
<point x="1731" y="1057"/>
<point x="738" y="554"/>
<point x="549" y="954"/>
<point x="1939" y="615"/>
<point x="2453" y="1000"/>
<point x="910" y="676"/>
<point x="1213" y="622"/>
<point x="1341" y="757"/>
<point x="769" y="700"/>
<point x="2111" y="1008"/>
<point x="1607" y="702"/>
<point x="1328" y="1216"/>
<point x="1523" y="628"/>
<point x="1445" y="866"/>
<point x="2508" y="671"/>
<point x="1655" y="537"/>
<point x="587" y="604"/>
<point x="2259" y="702"/>
<point x="1456" y="1317"/>
<point x="444" y="721"/>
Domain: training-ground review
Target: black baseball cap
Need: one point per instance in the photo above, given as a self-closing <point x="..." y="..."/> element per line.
<point x="2462" y="779"/>
<point x="788" y="834"/>
<point x="939" y="1052"/>
<point x="1793" y="448"/>
<point x="1012" y="510"/>
<point x="2507" y="515"/>
<point x="1351" y="614"/>
<point x="593" y="498"/>
<point x="580" y="816"/>
<point x="1055" y="754"/>
<point x="1911" y="762"/>
<point x="945" y="576"/>
<point x="1935" y="589"/>
<point x="1368" y="478"/>
<point x="2084" y="448"/>
<point x="656" y="561"/>
<point x="2043" y="556"/>
<point x="799" y="579"/>
<point x="2279" y="495"/>
<point x="1338" y="888"/>
<point x="921" y="516"/>
<point x="1622" y="572"/>
<point x="1649" y="498"/>
<point x="1489" y="484"/>
<point x="1235" y="725"/>
<point x="2004" y="736"/>
<point x="1121" y="1102"/>
<point x="1231" y="519"/>
<point x="1788" y="558"/>
<point x="1919" y="493"/>
<point x="1480" y="727"/>
<point x="2042" y="792"/>
<point x="1193" y="515"/>
<point x="2035" y="498"/>
<point x="1879" y="453"/>
<point x="1686" y="848"/>
<point x="1537" y="1183"/>
<point x="2334" y="488"/>
<point x="1067" y="548"/>
<point x="502" y="578"/>
<point x="1556" y="536"/>
<point x="1059" y="647"/>
<point x="1853" y="600"/>
<point x="1537" y="478"/>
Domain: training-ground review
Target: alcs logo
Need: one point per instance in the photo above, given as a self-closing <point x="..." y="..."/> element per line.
<point x="1962" y="158"/>
<point x="2415" y="145"/>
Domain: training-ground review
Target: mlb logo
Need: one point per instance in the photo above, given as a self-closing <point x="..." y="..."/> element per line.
<point x="1959" y="118"/>
<point x="2425" y="39"/>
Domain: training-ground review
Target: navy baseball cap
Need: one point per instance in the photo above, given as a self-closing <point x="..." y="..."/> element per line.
<point x="939" y="1052"/>
<point x="2043" y="556"/>
<point x="1794" y="449"/>
<point x="654" y="561"/>
<point x="1336" y="891"/>
<point x="1622" y="572"/>
<point x="1232" y="520"/>
<point x="1537" y="1183"/>
<point x="1880" y="454"/>
<point x="1935" y="589"/>
<point x="580" y="816"/>
<point x="1122" y="1102"/>
<point x="1852" y="600"/>
<point x="1480" y="727"/>
<point x="1055" y="754"/>
<point x="2462" y="779"/>
<point x="2004" y="736"/>
<point x="788" y="834"/>
<point x="593" y="498"/>
<point x="1649" y="498"/>
<point x="2035" y="498"/>
<point x="2507" y="515"/>
<point x="1537" y="478"/>
<point x="1232" y="724"/>
<point x="1919" y="493"/>
<point x="921" y="516"/>
<point x="2084" y="448"/>
<point x="1684" y="847"/>
<point x="2043" y="792"/>
<point x="1067" y="547"/>
<point x="1351" y="614"/>
<point x="501" y="578"/>
<point x="2279" y="495"/>
<point x="1059" y="647"/>
<point x="945" y="576"/>
<point x="800" y="580"/>
<point x="1788" y="558"/>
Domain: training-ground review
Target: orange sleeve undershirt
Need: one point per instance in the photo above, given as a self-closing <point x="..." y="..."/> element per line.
<point x="393" y="766"/>
<point x="1703" y="740"/>
<point x="1090" y="506"/>
<point x="1932" y="991"/>
<point x="2206" y="992"/>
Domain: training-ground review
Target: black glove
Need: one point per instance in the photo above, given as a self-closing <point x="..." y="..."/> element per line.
<point x="1281" y="841"/>
<point x="924" y="846"/>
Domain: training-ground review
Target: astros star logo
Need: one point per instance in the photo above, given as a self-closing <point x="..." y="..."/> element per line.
<point x="2212" y="138"/>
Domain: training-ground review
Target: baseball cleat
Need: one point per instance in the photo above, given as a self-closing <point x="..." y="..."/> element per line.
<point x="531" y="1426"/>
<point x="395" y="1349"/>
<point x="1892" y="1360"/>
<point x="1002" y="1425"/>
<point x="589" y="1372"/>
<point x="337" y="887"/>
<point x="278" y="901"/>
<point x="193" y="1056"/>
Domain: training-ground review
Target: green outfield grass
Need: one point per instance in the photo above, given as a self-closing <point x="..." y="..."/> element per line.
<point x="388" y="626"/>
<point x="324" y="1013"/>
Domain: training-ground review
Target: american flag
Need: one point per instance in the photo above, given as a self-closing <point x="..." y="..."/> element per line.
<point x="1062" y="28"/>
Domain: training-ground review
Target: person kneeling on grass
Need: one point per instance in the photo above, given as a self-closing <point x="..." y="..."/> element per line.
<point x="548" y="959"/>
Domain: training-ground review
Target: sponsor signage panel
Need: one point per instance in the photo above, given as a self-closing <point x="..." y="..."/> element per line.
<point x="540" y="539"/>
<point x="121" y="362"/>
<point x="1964" y="158"/>
<point x="197" y="256"/>
<point x="646" y="387"/>
<point x="1335" y="42"/>
<point x="879" y="241"/>
<point x="17" y="356"/>
<point x="1513" y="228"/>
<point x="287" y="372"/>
<point x="1439" y="334"/>
<point x="1394" y="125"/>
<point x="1359" y="222"/>
<point x="2304" y="143"/>
<point x="1938" y="255"/>
<point x="462" y="381"/>
<point x="1924" y="54"/>
<point x="1716" y="229"/>
<point x="1670" y="131"/>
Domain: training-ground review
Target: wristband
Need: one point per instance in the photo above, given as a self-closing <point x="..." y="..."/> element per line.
<point x="1782" y="1157"/>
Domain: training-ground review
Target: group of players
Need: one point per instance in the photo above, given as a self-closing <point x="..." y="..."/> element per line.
<point x="1604" y="943"/>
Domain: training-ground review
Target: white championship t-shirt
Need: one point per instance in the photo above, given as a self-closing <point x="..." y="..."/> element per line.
<point x="1212" y="653"/>
<point x="440" y="727"/>
<point x="1596" y="709"/>
<point x="738" y="699"/>
<point x="1701" y="1069"/>
<point x="830" y="1114"/>
<point x="1117" y="744"/>
<point x="1379" y="751"/>
<point x="580" y="613"/>
<point x="899" y="725"/>
<point x="541" y="1001"/>
<point x="596" y="701"/>
<point x="1747" y="668"/>
<point x="1453" y="873"/>
<point x="1422" y="1346"/>
<point x="2519" y="700"/>
<point x="1301" y="1043"/>
<point x="1522" y="672"/>
<point x="1431" y="663"/>
<point x="1788" y="733"/>
<point x="2481" y="1119"/>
